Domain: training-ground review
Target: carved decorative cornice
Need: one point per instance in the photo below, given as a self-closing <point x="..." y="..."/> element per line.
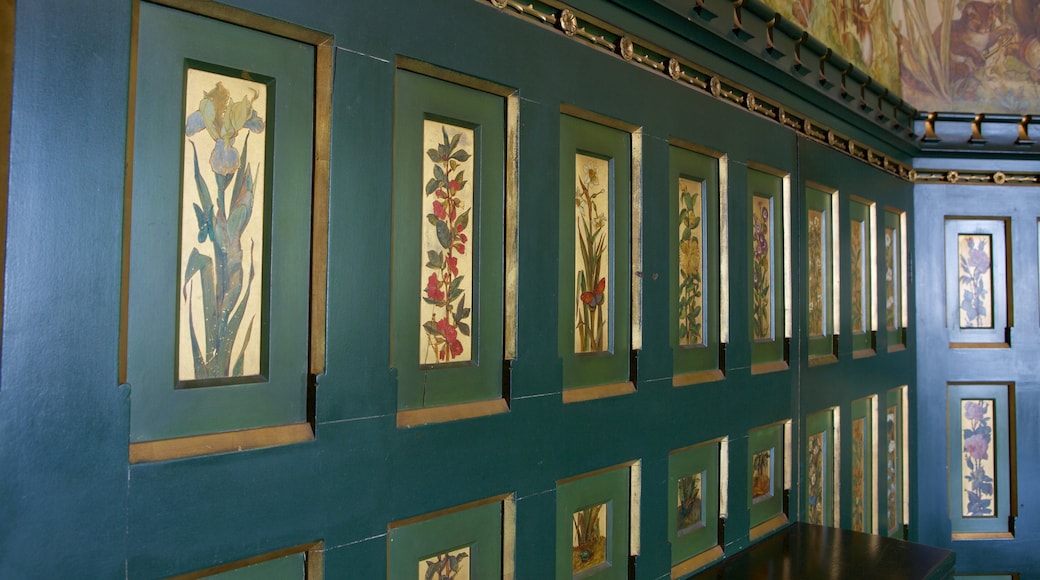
<point x="639" y="52"/>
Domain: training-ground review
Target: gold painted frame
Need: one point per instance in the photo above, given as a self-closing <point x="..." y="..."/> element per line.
<point x="209" y="443"/>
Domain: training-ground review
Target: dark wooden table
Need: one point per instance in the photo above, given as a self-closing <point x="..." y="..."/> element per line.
<point x="807" y="552"/>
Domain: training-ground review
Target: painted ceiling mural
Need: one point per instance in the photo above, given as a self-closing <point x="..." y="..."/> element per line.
<point x="939" y="55"/>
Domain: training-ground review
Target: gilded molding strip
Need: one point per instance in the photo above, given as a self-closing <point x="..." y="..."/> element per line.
<point x="580" y="26"/>
<point x="975" y="177"/>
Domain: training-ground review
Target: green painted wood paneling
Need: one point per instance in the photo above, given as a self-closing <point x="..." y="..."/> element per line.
<point x="65" y="422"/>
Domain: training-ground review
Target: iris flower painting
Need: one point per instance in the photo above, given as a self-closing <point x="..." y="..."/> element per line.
<point x="222" y="213"/>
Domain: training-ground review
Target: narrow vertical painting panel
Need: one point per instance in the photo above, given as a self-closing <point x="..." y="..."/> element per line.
<point x="859" y="277"/>
<point x="762" y="267"/>
<point x="893" y="465"/>
<point x="859" y="487"/>
<point x="691" y="263"/>
<point x="446" y="251"/>
<point x="222" y="246"/>
<point x="892" y="279"/>
<point x="688" y="504"/>
<point x="450" y="308"/>
<point x="694" y="481"/>
<point x="450" y="565"/>
<point x="817" y="272"/>
<point x="816" y="478"/>
<point x="975" y="280"/>
<point x="979" y="294"/>
<point x="591" y="253"/>
<point x="978" y="454"/>
<point x="589" y="540"/>
<point x="595" y="523"/>
<point x="762" y="476"/>
<point x="981" y="471"/>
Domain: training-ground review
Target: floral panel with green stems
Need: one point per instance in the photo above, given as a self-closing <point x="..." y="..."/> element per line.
<point x="858" y="277"/>
<point x="893" y="457"/>
<point x="455" y="543"/>
<point x="691" y="263"/>
<point x="861" y="449"/>
<point x="819" y="470"/>
<point x="822" y="284"/>
<point x="449" y="565"/>
<point x="762" y="269"/>
<point x="975" y="280"/>
<point x="861" y="255"/>
<point x="981" y="475"/>
<point x="591" y="253"/>
<point x="859" y="483"/>
<point x="978" y="294"/>
<point x="766" y="469"/>
<point x="816" y="273"/>
<point x="593" y="516"/>
<point x="589" y="540"/>
<point x="446" y="231"/>
<point x="978" y="454"/>
<point x="450" y="254"/>
<point x="762" y="475"/>
<point x="595" y="325"/>
<point x="768" y="275"/>
<point x="695" y="294"/>
<point x="220" y="318"/>
<point x="815" y="479"/>
<point x="688" y="504"/>
<point x="220" y="285"/>
<point x="894" y="278"/>
<point x="694" y="475"/>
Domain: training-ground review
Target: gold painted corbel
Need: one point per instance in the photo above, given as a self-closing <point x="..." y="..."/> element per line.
<point x="1023" y="131"/>
<point x="824" y="81"/>
<point x="770" y="45"/>
<point x="738" y="21"/>
<point x="799" y="66"/>
<point x="881" y="105"/>
<point x="976" y="129"/>
<point x="929" y="128"/>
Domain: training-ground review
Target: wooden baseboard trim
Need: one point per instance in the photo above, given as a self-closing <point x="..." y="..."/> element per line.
<point x="699" y="561"/>
<point x="767" y="526"/>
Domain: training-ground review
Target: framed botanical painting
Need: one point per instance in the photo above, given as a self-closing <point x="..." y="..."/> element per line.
<point x="863" y="453"/>
<point x="769" y="269"/>
<point x="597" y="329"/>
<point x="862" y="280"/>
<point x="978" y="293"/>
<point x="695" y="476"/>
<point x="895" y="462"/>
<point x="468" y="542"/>
<point x="452" y="312"/>
<point x="896" y="315"/>
<point x="304" y="562"/>
<point x="822" y="280"/>
<point x="768" y="479"/>
<point x="821" y="459"/>
<point x="596" y="525"/>
<point x="980" y="442"/>
<point x="224" y="320"/>
<point x="697" y="246"/>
